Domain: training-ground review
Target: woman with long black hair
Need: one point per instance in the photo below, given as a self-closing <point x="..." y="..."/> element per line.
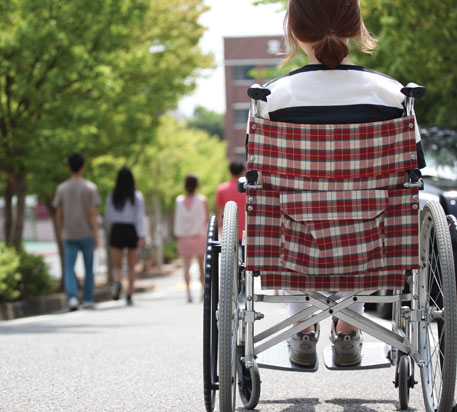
<point x="124" y="215"/>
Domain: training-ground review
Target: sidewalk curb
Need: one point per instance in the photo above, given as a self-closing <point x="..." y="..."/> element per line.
<point x="45" y="305"/>
<point x="57" y="302"/>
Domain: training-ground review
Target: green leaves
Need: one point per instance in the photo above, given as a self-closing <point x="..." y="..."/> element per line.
<point x="177" y="152"/>
<point x="207" y="120"/>
<point x="9" y="274"/>
<point x="82" y="76"/>
<point x="417" y="42"/>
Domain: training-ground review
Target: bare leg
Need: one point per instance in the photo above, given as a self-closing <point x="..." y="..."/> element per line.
<point x="344" y="327"/>
<point x="187" y="262"/>
<point x="201" y="264"/>
<point x="341" y="326"/>
<point x="117" y="264"/>
<point x="131" y="259"/>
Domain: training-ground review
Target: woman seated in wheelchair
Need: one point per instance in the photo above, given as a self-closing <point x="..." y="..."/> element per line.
<point x="331" y="89"/>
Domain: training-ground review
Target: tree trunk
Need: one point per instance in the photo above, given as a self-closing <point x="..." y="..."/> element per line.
<point x="21" y="194"/>
<point x="155" y="224"/>
<point x="52" y="212"/>
<point x="8" y="222"/>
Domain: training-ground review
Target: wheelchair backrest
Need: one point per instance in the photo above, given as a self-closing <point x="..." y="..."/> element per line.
<point x="332" y="213"/>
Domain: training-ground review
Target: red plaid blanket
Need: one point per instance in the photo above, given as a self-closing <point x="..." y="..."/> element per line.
<point x="333" y="213"/>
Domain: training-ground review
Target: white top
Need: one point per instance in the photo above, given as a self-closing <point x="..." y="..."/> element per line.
<point x="133" y="214"/>
<point x="190" y="222"/>
<point x="314" y="94"/>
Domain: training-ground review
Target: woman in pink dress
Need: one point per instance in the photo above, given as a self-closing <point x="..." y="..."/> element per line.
<point x="191" y="220"/>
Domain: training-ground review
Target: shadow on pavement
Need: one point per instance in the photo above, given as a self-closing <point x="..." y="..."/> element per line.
<point x="80" y="328"/>
<point x="348" y="405"/>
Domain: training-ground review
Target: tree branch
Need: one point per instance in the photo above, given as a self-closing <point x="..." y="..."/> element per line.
<point x="49" y="67"/>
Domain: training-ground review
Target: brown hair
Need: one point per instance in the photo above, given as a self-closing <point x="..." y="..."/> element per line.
<point x="191" y="183"/>
<point x="327" y="23"/>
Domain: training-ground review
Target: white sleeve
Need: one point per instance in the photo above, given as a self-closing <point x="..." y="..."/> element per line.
<point x="107" y="214"/>
<point x="416" y="129"/>
<point x="263" y="110"/>
<point x="139" y="218"/>
<point x="175" y="223"/>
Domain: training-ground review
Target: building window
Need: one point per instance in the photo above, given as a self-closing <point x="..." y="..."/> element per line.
<point x="241" y="116"/>
<point x="242" y="72"/>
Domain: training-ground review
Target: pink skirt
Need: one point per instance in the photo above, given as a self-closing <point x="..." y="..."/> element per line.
<point x="189" y="246"/>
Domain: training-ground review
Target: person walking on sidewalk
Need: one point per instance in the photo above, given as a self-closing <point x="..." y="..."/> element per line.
<point x="191" y="220"/>
<point x="124" y="215"/>
<point x="229" y="191"/>
<point x="76" y="201"/>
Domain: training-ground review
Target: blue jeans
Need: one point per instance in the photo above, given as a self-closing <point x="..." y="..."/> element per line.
<point x="71" y="248"/>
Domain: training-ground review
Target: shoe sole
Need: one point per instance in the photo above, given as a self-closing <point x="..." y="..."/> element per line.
<point x="340" y="360"/>
<point x="309" y="362"/>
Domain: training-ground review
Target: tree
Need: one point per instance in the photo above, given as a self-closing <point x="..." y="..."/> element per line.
<point x="416" y="43"/>
<point x="91" y="76"/>
<point x="207" y="120"/>
<point x="161" y="172"/>
<point x="178" y="151"/>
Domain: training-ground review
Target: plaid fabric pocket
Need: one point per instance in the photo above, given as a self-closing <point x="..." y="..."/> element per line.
<point x="335" y="232"/>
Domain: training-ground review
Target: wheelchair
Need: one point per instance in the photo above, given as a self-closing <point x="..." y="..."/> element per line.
<point x="341" y="218"/>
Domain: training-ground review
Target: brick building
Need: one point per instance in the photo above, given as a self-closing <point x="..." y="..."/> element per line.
<point x="242" y="55"/>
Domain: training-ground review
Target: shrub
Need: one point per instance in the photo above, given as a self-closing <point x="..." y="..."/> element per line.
<point x="36" y="280"/>
<point x="170" y="251"/>
<point x="9" y="273"/>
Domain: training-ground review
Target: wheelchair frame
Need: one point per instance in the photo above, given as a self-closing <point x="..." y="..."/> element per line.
<point x="231" y="347"/>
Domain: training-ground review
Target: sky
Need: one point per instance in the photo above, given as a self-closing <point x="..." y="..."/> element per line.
<point x="228" y="18"/>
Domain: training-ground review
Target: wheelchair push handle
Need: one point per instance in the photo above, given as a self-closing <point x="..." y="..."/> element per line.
<point x="414" y="91"/>
<point x="257" y="92"/>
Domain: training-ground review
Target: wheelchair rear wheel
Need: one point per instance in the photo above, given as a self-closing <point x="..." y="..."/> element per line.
<point x="452" y="222"/>
<point x="228" y="310"/>
<point x="437" y="329"/>
<point x="210" y="299"/>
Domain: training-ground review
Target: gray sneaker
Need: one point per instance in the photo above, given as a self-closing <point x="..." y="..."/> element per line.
<point x="303" y="348"/>
<point x="347" y="347"/>
<point x="88" y="305"/>
<point x="73" y="304"/>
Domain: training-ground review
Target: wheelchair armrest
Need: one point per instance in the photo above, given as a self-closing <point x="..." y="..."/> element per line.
<point x="249" y="182"/>
<point x="414" y="90"/>
<point x="414" y="179"/>
<point x="252" y="176"/>
<point x="257" y="92"/>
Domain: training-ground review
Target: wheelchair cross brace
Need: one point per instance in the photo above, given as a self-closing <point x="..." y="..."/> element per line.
<point x="323" y="306"/>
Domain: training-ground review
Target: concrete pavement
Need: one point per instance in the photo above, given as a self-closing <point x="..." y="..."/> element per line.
<point x="149" y="358"/>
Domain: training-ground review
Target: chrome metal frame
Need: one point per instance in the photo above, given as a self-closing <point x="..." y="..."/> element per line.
<point x="403" y="335"/>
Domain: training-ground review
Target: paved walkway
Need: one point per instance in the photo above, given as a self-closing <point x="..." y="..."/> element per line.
<point x="146" y="282"/>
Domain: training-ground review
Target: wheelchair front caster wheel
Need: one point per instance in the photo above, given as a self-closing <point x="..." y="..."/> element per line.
<point x="248" y="385"/>
<point x="404" y="370"/>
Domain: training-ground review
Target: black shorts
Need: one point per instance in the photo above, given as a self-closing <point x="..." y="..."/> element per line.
<point x="123" y="235"/>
